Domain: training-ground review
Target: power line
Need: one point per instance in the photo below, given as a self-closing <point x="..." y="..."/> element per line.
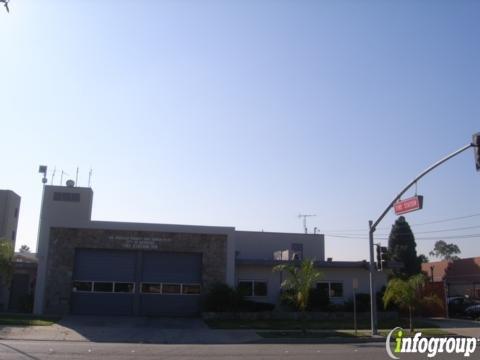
<point x="419" y="232"/>
<point x="447" y="220"/>
<point x="463" y="236"/>
<point x="418" y="224"/>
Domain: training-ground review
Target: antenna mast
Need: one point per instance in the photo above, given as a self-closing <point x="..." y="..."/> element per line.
<point x="90" y="176"/>
<point x="304" y="216"/>
<point x="61" y="177"/>
<point x="53" y="174"/>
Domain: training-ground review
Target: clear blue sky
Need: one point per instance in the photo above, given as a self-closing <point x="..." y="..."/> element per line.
<point x="245" y="113"/>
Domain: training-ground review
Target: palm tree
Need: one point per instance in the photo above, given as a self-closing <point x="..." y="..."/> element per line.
<point x="301" y="278"/>
<point x="406" y="294"/>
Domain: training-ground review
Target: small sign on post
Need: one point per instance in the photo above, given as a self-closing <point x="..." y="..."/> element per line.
<point x="407" y="205"/>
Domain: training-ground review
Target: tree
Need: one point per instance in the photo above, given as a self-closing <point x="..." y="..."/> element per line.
<point x="445" y="251"/>
<point x="402" y="248"/>
<point x="406" y="294"/>
<point x="6" y="261"/>
<point x="423" y="258"/>
<point x="301" y="278"/>
<point x="24" y="249"/>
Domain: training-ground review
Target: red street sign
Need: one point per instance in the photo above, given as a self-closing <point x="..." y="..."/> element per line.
<point x="407" y="205"/>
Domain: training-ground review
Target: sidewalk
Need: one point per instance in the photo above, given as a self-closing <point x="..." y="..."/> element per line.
<point x="181" y="331"/>
<point x="458" y="326"/>
<point x="129" y="330"/>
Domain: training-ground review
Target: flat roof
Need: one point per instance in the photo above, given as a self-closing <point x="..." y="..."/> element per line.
<point x="138" y="226"/>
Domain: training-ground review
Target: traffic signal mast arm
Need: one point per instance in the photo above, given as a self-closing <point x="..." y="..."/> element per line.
<point x="425" y="172"/>
<point x="373" y="225"/>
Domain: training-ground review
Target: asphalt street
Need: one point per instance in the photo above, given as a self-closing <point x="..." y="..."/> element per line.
<point x="52" y="350"/>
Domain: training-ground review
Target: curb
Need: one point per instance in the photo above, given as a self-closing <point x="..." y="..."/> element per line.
<point x="333" y="341"/>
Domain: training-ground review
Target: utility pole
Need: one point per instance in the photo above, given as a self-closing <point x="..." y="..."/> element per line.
<point x="373" y="225"/>
<point x="304" y="216"/>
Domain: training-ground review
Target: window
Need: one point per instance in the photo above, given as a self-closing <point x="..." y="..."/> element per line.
<point x="333" y="289"/>
<point x="64" y="196"/>
<point x="122" y="287"/>
<point x="336" y="289"/>
<point x="103" y="287"/>
<point x="151" y="288"/>
<point x="191" y="289"/>
<point x="171" y="288"/>
<point x="82" y="286"/>
<point x="16" y="213"/>
<point x="297" y="250"/>
<point x="252" y="288"/>
<point x="14" y="235"/>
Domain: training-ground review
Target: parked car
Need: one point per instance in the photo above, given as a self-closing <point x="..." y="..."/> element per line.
<point x="473" y="311"/>
<point x="458" y="305"/>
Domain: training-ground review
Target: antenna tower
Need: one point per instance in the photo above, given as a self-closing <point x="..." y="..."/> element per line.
<point x="304" y="216"/>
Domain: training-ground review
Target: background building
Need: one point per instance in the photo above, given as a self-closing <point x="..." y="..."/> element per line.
<point x="461" y="277"/>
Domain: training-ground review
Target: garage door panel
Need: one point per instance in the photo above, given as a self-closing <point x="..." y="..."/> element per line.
<point x="170" y="305"/>
<point x="172" y="267"/>
<point x="102" y="304"/>
<point x="104" y="265"/>
<point x="109" y="282"/>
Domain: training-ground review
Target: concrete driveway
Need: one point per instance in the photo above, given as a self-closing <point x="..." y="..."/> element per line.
<point x="129" y="330"/>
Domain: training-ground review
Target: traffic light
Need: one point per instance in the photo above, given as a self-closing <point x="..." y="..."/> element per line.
<point x="476" y="149"/>
<point x="382" y="257"/>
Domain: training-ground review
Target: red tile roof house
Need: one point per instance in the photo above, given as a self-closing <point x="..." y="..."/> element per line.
<point x="461" y="277"/>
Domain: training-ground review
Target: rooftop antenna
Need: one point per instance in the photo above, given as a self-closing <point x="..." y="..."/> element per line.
<point x="53" y="175"/>
<point x="304" y="216"/>
<point x="61" y="176"/>
<point x="5" y="3"/>
<point x="90" y="176"/>
<point x="42" y="169"/>
<point x="76" y="177"/>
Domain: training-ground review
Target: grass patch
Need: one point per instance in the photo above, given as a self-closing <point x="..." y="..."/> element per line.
<point x="311" y="325"/>
<point x="300" y="335"/>
<point x="27" y="320"/>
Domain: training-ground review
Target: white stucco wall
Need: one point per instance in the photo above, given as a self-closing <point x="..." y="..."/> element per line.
<point x="345" y="276"/>
<point x="62" y="214"/>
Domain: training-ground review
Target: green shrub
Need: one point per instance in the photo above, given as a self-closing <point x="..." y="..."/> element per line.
<point x="363" y="303"/>
<point x="222" y="298"/>
<point x="319" y="300"/>
<point x="255" y="306"/>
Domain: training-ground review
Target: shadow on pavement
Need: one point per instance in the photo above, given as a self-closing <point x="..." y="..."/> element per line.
<point x="148" y="330"/>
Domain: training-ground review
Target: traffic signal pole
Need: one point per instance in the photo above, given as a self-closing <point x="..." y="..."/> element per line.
<point x="373" y="226"/>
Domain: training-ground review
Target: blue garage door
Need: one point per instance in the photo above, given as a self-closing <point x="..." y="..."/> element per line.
<point x="103" y="282"/>
<point x="170" y="284"/>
